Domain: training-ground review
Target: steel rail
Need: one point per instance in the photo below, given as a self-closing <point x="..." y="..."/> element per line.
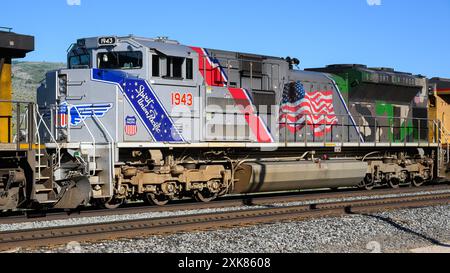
<point x="226" y="202"/>
<point x="168" y="225"/>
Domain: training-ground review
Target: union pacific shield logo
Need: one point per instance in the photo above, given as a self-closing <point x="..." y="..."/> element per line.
<point x="63" y="114"/>
<point x="130" y="125"/>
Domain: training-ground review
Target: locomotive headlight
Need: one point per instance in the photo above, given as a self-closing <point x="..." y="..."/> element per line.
<point x="62" y="82"/>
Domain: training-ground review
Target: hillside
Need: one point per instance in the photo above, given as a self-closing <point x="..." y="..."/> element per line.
<point x="27" y="77"/>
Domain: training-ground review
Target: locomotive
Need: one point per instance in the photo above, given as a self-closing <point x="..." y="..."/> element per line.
<point x="135" y="118"/>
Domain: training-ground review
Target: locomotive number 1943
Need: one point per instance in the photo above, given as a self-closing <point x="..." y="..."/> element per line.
<point x="185" y="99"/>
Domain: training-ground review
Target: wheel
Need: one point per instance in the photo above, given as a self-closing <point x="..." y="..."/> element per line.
<point x="158" y="200"/>
<point x="394" y="183"/>
<point x="205" y="196"/>
<point x="418" y="181"/>
<point x="367" y="183"/>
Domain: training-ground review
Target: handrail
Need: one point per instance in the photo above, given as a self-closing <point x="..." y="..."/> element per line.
<point x="58" y="147"/>
<point x="20" y="125"/>
<point x="105" y="129"/>
<point x="89" y="131"/>
<point x="112" y="145"/>
<point x="446" y="134"/>
<point x="445" y="131"/>
<point x="405" y="129"/>
<point x="38" y="137"/>
<point x="375" y="117"/>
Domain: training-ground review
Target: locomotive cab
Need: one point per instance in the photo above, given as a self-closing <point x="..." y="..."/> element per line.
<point x="107" y="53"/>
<point x="157" y="59"/>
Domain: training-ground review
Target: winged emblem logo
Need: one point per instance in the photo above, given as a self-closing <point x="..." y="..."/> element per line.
<point x="79" y="113"/>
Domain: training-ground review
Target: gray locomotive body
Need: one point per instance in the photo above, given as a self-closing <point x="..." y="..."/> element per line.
<point x="136" y="118"/>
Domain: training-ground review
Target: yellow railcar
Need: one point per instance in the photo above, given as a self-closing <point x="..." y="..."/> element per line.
<point x="12" y="46"/>
<point x="439" y="106"/>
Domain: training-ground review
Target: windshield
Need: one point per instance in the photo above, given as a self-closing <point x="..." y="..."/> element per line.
<point x="120" y="60"/>
<point x="80" y="61"/>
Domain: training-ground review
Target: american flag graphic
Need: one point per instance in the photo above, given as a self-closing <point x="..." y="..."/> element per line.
<point x="63" y="115"/>
<point x="300" y="108"/>
<point x="130" y="126"/>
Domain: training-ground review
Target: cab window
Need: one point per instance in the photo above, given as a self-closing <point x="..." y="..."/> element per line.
<point x="80" y="61"/>
<point x="174" y="67"/>
<point x="120" y="60"/>
<point x="171" y="67"/>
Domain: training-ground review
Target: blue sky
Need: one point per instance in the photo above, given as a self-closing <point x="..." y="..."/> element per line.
<point x="408" y="35"/>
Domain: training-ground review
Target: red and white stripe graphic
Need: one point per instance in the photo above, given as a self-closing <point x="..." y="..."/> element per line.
<point x="63" y="120"/>
<point x="63" y="115"/>
<point x="255" y="122"/>
<point x="215" y="76"/>
<point x="131" y="130"/>
<point x="210" y="70"/>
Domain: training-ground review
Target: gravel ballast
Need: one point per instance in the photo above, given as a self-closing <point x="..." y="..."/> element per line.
<point x="151" y="215"/>
<point x="392" y="231"/>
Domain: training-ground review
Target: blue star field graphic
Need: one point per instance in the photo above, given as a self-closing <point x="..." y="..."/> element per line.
<point x="145" y="103"/>
<point x="293" y="95"/>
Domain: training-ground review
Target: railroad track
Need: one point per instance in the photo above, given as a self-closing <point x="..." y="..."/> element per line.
<point x="251" y="216"/>
<point x="251" y="200"/>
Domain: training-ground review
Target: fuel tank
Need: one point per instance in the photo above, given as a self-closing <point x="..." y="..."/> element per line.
<point x="258" y="177"/>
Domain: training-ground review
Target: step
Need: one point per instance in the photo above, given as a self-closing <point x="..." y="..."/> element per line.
<point x="41" y="189"/>
<point x="95" y="180"/>
<point x="45" y="201"/>
<point x="94" y="167"/>
<point x="91" y="156"/>
<point x="42" y="177"/>
<point x="42" y="198"/>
